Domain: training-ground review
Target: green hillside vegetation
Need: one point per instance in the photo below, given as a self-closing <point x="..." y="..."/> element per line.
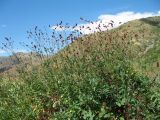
<point x="110" y="75"/>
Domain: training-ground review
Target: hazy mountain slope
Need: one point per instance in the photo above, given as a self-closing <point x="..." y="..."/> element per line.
<point x="7" y="63"/>
<point x="10" y="64"/>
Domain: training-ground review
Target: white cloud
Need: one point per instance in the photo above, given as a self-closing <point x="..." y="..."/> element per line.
<point x="106" y="21"/>
<point x="20" y="50"/>
<point x="3" y="26"/>
<point x="59" y="28"/>
<point x="126" y="16"/>
<point x="2" y="51"/>
<point x="117" y="19"/>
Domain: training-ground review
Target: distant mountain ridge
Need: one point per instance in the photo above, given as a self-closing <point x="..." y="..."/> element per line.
<point x="8" y="62"/>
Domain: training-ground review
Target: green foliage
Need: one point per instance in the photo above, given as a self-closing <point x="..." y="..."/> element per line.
<point x="117" y="93"/>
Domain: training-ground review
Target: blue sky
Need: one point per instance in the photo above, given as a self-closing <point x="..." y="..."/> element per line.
<point x="18" y="16"/>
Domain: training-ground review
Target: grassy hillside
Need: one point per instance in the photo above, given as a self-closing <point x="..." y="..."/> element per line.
<point x="138" y="38"/>
<point x="106" y="75"/>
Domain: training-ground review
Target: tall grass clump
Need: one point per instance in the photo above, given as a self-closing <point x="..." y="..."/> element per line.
<point x="91" y="78"/>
